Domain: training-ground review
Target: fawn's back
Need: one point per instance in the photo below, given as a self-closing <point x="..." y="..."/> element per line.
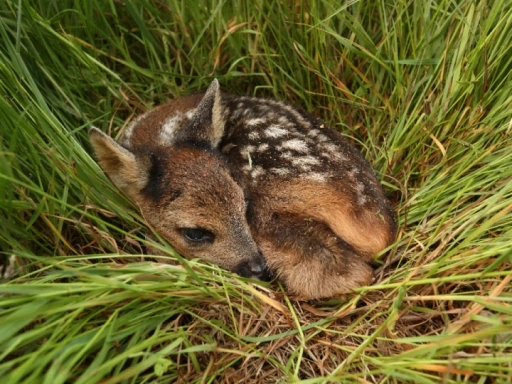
<point x="286" y="184"/>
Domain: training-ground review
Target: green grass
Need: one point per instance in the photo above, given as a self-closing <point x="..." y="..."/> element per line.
<point x="424" y="88"/>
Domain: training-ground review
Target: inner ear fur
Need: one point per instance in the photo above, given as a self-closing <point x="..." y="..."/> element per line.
<point x="126" y="171"/>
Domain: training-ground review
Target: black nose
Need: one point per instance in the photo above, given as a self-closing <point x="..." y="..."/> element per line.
<point x="256" y="268"/>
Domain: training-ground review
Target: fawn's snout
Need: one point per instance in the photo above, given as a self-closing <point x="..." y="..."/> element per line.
<point x="255" y="268"/>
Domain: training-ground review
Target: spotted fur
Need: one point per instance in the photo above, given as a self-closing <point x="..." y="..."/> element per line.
<point x="261" y="176"/>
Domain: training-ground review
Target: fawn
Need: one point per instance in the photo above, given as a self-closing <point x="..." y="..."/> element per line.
<point x="255" y="186"/>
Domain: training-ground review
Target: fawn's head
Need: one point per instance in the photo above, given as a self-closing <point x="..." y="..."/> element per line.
<point x="185" y="190"/>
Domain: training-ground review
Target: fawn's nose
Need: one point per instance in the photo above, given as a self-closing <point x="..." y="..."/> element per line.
<point x="256" y="268"/>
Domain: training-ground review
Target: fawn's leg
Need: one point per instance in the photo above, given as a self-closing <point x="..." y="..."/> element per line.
<point x="308" y="257"/>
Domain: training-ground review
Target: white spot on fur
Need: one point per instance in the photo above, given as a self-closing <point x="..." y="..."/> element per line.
<point x="361" y="197"/>
<point x="315" y="176"/>
<point x="322" y="138"/>
<point x="334" y="151"/>
<point x="253" y="122"/>
<point x="295" y="145"/>
<point x="283" y="120"/>
<point x="280" y="171"/>
<point x="275" y="131"/>
<point x="353" y="172"/>
<point x="330" y="147"/>
<point x="257" y="171"/>
<point x="247" y="150"/>
<point x="190" y="113"/>
<point x="313" y="132"/>
<point x="169" y="127"/>
<point x="300" y="118"/>
<point x="305" y="161"/>
<point x="262" y="148"/>
<point x="288" y="155"/>
<point x="254" y="135"/>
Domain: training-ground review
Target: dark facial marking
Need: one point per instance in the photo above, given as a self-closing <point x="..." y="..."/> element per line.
<point x="153" y="189"/>
<point x="157" y="188"/>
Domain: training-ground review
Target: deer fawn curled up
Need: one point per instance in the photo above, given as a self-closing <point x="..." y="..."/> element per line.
<point x="254" y="185"/>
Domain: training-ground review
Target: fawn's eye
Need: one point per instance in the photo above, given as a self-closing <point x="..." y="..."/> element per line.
<point x="197" y="236"/>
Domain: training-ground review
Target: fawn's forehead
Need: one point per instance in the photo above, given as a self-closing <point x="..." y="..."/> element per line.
<point x="203" y="175"/>
<point x="159" y="126"/>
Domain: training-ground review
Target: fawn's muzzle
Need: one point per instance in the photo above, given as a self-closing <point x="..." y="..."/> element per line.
<point x="256" y="268"/>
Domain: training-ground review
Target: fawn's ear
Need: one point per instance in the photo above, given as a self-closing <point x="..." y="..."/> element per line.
<point x="123" y="168"/>
<point x="206" y="125"/>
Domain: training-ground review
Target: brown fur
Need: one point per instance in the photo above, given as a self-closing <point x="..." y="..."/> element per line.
<point x="366" y="231"/>
<point x="148" y="127"/>
<point x="205" y="191"/>
<point x="315" y="208"/>
<point x="314" y="237"/>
